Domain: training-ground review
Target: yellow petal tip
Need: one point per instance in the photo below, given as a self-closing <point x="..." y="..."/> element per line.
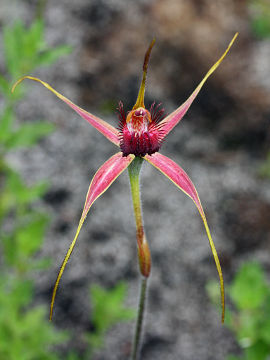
<point x="16" y="84"/>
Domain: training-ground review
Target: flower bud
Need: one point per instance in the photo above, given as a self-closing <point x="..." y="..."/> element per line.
<point x="144" y="258"/>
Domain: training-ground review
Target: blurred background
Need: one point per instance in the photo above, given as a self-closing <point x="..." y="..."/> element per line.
<point x="92" y="52"/>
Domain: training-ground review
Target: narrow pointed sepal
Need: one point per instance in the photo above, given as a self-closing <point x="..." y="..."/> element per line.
<point x="179" y="177"/>
<point x="102" y="180"/>
<point x="102" y="126"/>
<point x="173" y="119"/>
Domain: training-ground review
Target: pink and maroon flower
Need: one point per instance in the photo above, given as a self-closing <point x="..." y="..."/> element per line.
<point x="140" y="134"/>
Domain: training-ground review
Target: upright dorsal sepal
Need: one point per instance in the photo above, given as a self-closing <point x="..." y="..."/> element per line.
<point x="140" y="99"/>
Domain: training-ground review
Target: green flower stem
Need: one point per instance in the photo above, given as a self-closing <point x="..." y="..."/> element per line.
<point x="143" y="249"/>
<point x="134" y="177"/>
<point x="139" y="323"/>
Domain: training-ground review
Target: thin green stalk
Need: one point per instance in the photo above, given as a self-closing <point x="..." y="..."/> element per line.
<point x="143" y="249"/>
<point x="139" y="323"/>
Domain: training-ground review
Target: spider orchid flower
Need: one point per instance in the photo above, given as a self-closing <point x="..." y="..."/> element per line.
<point x="139" y="136"/>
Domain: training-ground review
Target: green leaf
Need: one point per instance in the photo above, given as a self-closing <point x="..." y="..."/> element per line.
<point x="4" y="86"/>
<point x="9" y="249"/>
<point x="25" y="48"/>
<point x="247" y="328"/>
<point x="29" y="336"/>
<point x="108" y="310"/>
<point x="22" y="194"/>
<point x="95" y="340"/>
<point x="15" y="294"/>
<point x="12" y="37"/>
<point x="260" y="17"/>
<point x="21" y="293"/>
<point x="28" y="134"/>
<point x="6" y="122"/>
<point x="109" y="306"/>
<point x="30" y="236"/>
<point x="258" y="351"/>
<point x="6" y="201"/>
<point x="33" y="39"/>
<point x="261" y="27"/>
<point x="249" y="288"/>
<point x="264" y="329"/>
<point x="25" y="333"/>
<point x="73" y="356"/>
<point x="24" y="242"/>
<point x="49" y="56"/>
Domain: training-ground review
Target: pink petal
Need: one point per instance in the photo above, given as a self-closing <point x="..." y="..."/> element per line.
<point x="178" y="176"/>
<point x="173" y="119"/>
<point x="102" y="126"/>
<point x="101" y="181"/>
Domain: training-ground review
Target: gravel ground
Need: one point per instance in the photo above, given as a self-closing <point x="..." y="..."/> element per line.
<point x="181" y="322"/>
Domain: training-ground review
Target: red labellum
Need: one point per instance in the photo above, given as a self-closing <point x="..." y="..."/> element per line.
<point x="140" y="131"/>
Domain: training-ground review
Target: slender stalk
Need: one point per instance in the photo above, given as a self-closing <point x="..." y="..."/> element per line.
<point x="139" y="323"/>
<point x="143" y="249"/>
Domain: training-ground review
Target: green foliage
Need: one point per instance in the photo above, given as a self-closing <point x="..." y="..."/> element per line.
<point x="108" y="309"/>
<point x="260" y="10"/>
<point x="16" y="195"/>
<point x="250" y="319"/>
<point x="25" y="332"/>
<point x="25" y="135"/>
<point x="249" y="288"/>
<point x="25" y="49"/>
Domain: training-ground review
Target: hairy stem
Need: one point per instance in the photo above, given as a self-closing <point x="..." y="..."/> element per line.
<point x="143" y="249"/>
<point x="139" y="323"/>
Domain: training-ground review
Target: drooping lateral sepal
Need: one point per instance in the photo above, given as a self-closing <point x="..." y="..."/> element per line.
<point x="101" y="181"/>
<point x="102" y="126"/>
<point x="180" y="178"/>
